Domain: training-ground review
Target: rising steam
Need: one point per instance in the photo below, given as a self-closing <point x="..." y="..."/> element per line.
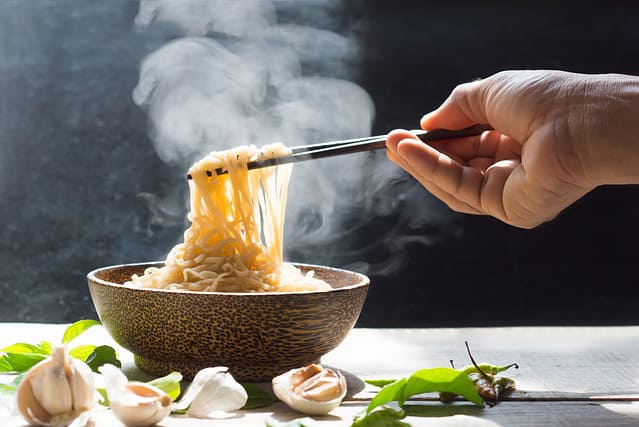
<point x="238" y="76"/>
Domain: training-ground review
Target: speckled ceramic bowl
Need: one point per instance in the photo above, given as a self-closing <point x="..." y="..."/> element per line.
<point x="258" y="336"/>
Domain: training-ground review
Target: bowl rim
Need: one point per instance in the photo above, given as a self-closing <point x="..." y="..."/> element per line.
<point x="364" y="281"/>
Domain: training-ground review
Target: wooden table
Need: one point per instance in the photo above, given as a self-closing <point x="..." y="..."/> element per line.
<point x="568" y="376"/>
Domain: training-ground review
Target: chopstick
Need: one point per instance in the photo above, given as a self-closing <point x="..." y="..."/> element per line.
<point x="356" y="145"/>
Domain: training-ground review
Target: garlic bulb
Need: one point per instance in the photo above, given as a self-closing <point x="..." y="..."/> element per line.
<point x="312" y="389"/>
<point x="212" y="390"/>
<point x="136" y="404"/>
<point x="56" y="390"/>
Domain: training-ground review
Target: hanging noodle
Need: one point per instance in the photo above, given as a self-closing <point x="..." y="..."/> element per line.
<point x="234" y="243"/>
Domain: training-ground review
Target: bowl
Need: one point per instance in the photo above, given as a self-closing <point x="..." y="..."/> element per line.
<point x="256" y="335"/>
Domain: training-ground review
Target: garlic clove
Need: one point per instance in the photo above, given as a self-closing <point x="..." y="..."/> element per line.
<point x="312" y="389"/>
<point x="29" y="406"/>
<point x="135" y="404"/>
<point x="212" y="390"/>
<point x="84" y="397"/>
<point x="56" y="390"/>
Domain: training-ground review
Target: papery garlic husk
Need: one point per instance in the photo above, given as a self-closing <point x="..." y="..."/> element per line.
<point x="213" y="390"/>
<point x="135" y="404"/>
<point x="312" y="390"/>
<point x="56" y="390"/>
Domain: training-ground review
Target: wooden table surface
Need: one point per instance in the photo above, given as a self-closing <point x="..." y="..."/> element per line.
<point x="581" y="376"/>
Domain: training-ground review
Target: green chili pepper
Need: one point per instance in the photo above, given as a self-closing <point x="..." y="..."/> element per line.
<point x="487" y="368"/>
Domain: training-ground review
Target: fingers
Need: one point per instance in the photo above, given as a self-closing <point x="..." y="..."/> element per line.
<point x="490" y="144"/>
<point x="450" y="176"/>
<point x="452" y="202"/>
<point x="464" y="107"/>
<point x="475" y="188"/>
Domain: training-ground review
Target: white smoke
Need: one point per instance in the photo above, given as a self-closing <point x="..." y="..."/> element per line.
<point x="238" y="76"/>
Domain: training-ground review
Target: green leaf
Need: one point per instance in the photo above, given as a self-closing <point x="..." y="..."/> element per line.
<point x="7" y="390"/>
<point x="11" y="388"/>
<point x="5" y="366"/>
<point x="390" y="392"/>
<point x="18" y="379"/>
<point x="77" y="328"/>
<point x="382" y="417"/>
<point x="300" y="422"/>
<point x="21" y="347"/>
<point x="19" y="362"/>
<point x="82" y="352"/>
<point x="101" y="355"/>
<point x="426" y="381"/>
<point x="46" y="347"/>
<point x="441" y="380"/>
<point x="170" y="384"/>
<point x="257" y="398"/>
<point x="379" y="383"/>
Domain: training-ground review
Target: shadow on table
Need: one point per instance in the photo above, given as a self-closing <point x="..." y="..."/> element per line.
<point x="354" y="384"/>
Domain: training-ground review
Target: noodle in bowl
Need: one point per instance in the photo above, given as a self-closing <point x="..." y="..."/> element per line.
<point x="234" y="243"/>
<point x="224" y="296"/>
<point x="256" y="335"/>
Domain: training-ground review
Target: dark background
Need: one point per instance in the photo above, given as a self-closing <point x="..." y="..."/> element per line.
<point x="75" y="157"/>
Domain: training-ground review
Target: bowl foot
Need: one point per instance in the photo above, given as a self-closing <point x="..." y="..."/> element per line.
<point x="241" y="373"/>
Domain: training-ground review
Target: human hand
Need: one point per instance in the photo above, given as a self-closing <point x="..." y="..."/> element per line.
<point x="557" y="136"/>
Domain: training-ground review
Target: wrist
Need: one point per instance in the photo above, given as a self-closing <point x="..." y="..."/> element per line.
<point x="611" y="116"/>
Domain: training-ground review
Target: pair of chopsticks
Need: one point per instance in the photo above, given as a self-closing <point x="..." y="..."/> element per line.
<point x="350" y="146"/>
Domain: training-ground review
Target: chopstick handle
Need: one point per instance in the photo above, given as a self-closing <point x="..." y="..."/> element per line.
<point x="439" y="134"/>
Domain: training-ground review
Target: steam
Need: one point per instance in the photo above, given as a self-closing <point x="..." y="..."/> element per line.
<point x="238" y="76"/>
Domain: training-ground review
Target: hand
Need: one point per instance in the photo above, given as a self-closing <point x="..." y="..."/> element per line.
<point x="557" y="136"/>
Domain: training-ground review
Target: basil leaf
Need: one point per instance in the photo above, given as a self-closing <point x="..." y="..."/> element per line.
<point x="257" y="398"/>
<point x="5" y="366"/>
<point x="390" y="392"/>
<point x="101" y="355"/>
<point x="7" y="389"/>
<point x="442" y="380"/>
<point x="18" y="379"/>
<point x="82" y="352"/>
<point x="170" y="384"/>
<point x="19" y="362"/>
<point x="383" y="417"/>
<point x="46" y="347"/>
<point x="300" y="422"/>
<point x="379" y="383"/>
<point x="77" y="328"/>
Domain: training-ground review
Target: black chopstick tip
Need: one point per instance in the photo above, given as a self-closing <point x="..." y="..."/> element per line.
<point x="208" y="173"/>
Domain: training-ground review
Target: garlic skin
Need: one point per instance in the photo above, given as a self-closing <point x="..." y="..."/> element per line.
<point x="213" y="390"/>
<point x="312" y="389"/>
<point x="56" y="390"/>
<point x="135" y="404"/>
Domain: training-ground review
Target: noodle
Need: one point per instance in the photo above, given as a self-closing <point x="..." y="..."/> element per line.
<point x="234" y="243"/>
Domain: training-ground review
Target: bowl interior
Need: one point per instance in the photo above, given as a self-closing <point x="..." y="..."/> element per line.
<point x="337" y="278"/>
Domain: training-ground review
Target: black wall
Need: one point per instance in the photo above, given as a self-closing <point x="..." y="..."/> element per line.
<point x="75" y="157"/>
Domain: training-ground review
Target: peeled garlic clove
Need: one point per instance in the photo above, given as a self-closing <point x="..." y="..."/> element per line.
<point x="56" y="390"/>
<point x="211" y="391"/>
<point x="136" y="404"/>
<point x="312" y="389"/>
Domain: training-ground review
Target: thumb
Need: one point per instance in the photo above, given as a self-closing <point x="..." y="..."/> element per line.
<point x="465" y="106"/>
